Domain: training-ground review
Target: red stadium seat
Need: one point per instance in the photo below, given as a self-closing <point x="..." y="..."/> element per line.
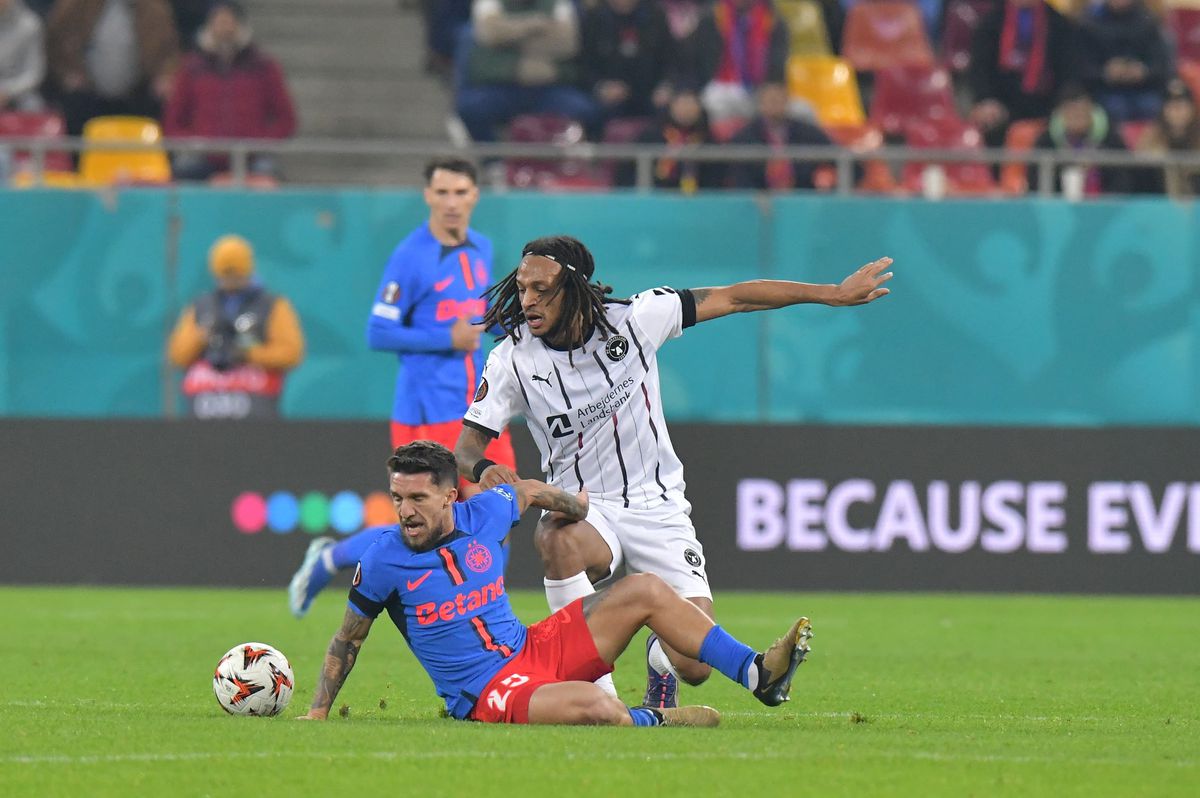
<point x="958" y="29"/>
<point x="962" y="178"/>
<point x="884" y="33"/>
<point x="41" y="125"/>
<point x="913" y="93"/>
<point x="621" y="130"/>
<point x="252" y="181"/>
<point x="544" y="129"/>
<point x="549" y="175"/>
<point x="1185" y="27"/>
<point x="1021" y="136"/>
<point x="1132" y="132"/>
<point x="877" y="175"/>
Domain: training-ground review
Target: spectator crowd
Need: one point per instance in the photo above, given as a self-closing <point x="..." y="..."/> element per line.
<point x="1071" y="75"/>
<point x="191" y="65"/>
<point x="680" y="72"/>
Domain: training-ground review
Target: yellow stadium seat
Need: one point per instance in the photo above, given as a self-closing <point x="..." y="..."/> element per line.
<point x="806" y="23"/>
<point x="830" y="86"/>
<point x="99" y="167"/>
<point x="50" y="179"/>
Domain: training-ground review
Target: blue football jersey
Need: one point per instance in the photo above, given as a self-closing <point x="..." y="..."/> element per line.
<point x="426" y="287"/>
<point x="449" y="603"/>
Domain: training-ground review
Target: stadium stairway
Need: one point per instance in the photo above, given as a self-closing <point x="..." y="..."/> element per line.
<point x="355" y="70"/>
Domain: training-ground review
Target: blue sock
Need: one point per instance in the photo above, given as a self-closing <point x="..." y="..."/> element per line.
<point x="347" y="552"/>
<point x="728" y="655"/>
<point x="643" y="716"/>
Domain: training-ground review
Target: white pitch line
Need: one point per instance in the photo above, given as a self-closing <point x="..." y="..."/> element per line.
<point x="928" y="716"/>
<point x="97" y="703"/>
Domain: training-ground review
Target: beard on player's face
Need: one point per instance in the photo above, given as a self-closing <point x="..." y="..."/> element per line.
<point x="423" y="514"/>
<point x="422" y="527"/>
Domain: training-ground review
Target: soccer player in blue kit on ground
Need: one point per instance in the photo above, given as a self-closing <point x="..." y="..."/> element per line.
<point x="426" y="312"/>
<point x="439" y="575"/>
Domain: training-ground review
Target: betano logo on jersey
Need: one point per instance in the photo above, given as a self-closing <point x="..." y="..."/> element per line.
<point x="313" y="512"/>
<point x="453" y="309"/>
<point x="432" y="612"/>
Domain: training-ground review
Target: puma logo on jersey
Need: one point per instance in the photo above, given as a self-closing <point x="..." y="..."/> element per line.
<point x="442" y="285"/>
<point x="413" y="584"/>
<point x="546" y="379"/>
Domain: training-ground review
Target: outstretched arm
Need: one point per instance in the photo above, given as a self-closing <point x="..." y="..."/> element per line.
<point x="532" y="493"/>
<point x="339" y="659"/>
<point x="468" y="453"/>
<point x="861" y="287"/>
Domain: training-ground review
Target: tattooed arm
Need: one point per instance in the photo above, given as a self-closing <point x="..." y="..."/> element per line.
<point x="468" y="452"/>
<point x="339" y="659"/>
<point x="531" y="493"/>
<point x="861" y="287"/>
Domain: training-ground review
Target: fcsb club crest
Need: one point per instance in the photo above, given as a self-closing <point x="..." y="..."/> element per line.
<point x="617" y="348"/>
<point x="479" y="559"/>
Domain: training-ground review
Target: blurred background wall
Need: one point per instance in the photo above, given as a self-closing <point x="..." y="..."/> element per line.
<point x="1038" y="312"/>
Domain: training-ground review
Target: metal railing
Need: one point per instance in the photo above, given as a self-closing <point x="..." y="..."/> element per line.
<point x="239" y="151"/>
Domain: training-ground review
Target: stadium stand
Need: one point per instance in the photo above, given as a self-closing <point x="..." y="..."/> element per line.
<point x="961" y="179"/>
<point x="828" y="84"/>
<point x="910" y="94"/>
<point x="101" y="167"/>
<point x="550" y="175"/>
<point x="1021" y="136"/>
<point x="43" y="124"/>
<point x="961" y="19"/>
<point x="355" y="70"/>
<point x="806" y="25"/>
<point x="885" y="33"/>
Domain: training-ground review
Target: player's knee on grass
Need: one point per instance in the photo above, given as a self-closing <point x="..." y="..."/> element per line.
<point x="602" y="710"/>
<point x="576" y="704"/>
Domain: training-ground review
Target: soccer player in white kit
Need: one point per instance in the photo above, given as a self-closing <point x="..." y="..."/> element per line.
<point x="582" y="369"/>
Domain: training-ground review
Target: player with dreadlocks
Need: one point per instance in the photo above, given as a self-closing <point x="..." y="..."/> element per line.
<point x="586" y="380"/>
<point x="583" y="302"/>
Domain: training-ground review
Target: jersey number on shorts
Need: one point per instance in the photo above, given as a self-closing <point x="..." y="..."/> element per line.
<point x="496" y="700"/>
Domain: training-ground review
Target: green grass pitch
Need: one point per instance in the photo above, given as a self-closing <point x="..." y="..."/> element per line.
<point x="107" y="692"/>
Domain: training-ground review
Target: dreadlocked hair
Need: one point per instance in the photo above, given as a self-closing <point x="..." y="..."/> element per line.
<point x="582" y="301"/>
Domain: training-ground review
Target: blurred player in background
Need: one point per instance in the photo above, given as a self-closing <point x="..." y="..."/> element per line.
<point x="427" y="310"/>
<point x="237" y="342"/>
<point x="440" y="577"/>
<point x="583" y="371"/>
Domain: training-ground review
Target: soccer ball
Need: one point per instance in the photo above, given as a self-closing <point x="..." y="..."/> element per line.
<point x="253" y="679"/>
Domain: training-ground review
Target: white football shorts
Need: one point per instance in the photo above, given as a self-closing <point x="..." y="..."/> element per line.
<point x="659" y="541"/>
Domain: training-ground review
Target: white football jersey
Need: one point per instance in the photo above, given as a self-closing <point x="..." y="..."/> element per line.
<point x="596" y="416"/>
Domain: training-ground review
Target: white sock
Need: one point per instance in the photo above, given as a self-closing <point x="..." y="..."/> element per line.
<point x="657" y="658"/>
<point x="753" y="675"/>
<point x="560" y="593"/>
